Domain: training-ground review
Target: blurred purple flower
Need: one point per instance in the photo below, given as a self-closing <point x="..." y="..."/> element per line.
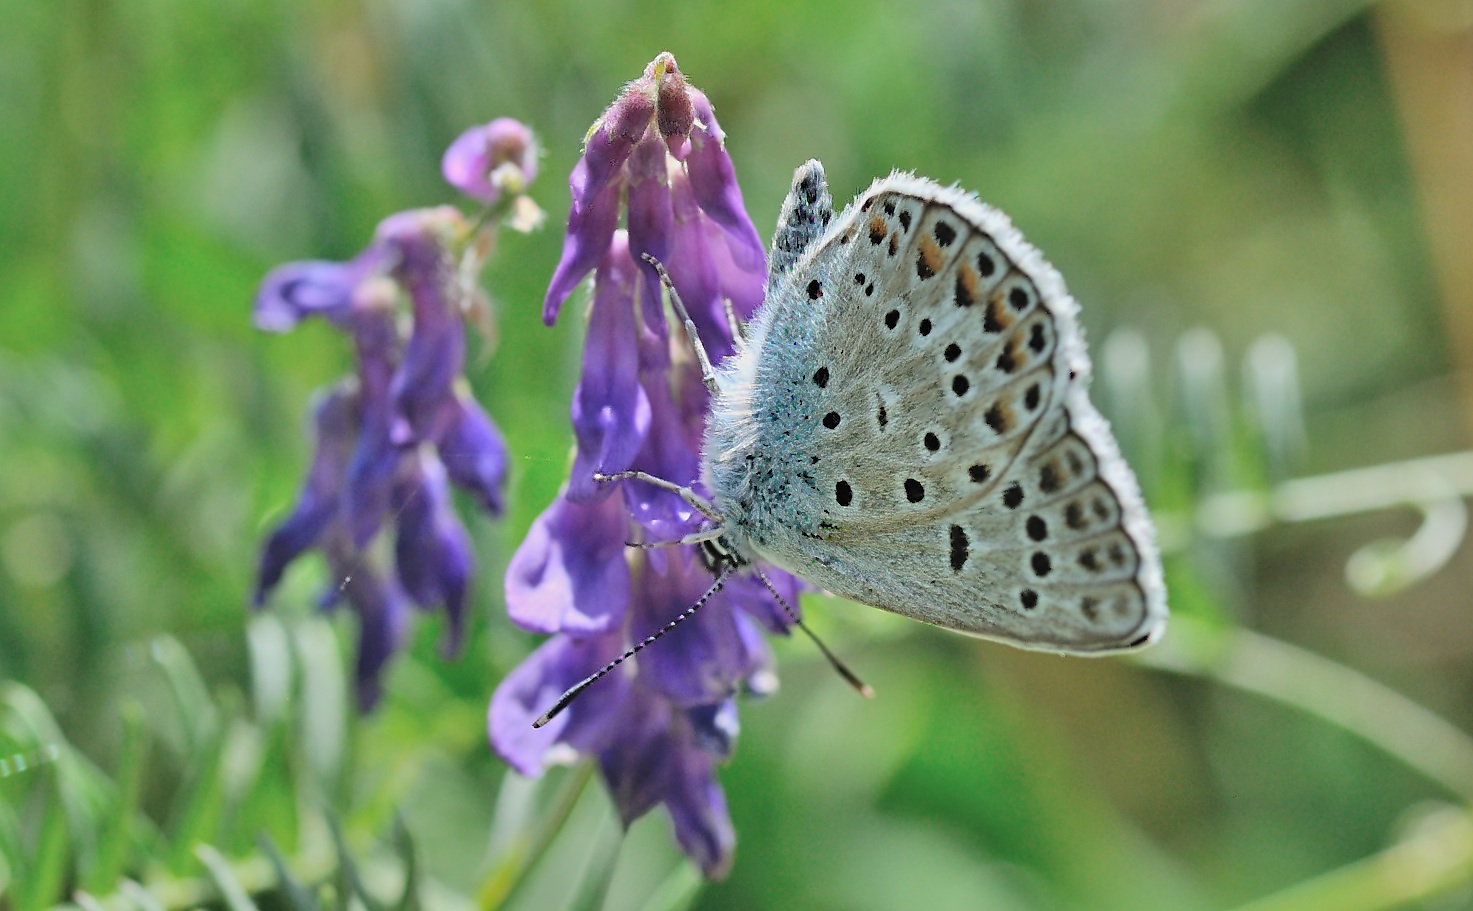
<point x="486" y="161"/>
<point x="657" y="734"/>
<point x="393" y="438"/>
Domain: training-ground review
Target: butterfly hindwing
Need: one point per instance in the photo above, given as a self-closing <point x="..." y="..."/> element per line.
<point x="920" y="437"/>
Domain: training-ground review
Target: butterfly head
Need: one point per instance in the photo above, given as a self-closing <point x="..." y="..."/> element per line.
<point x="720" y="555"/>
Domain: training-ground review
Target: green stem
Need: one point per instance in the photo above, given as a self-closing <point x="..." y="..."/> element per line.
<point x="511" y="869"/>
<point x="1435" y="858"/>
<point x="1379" y="715"/>
<point x="1344" y="493"/>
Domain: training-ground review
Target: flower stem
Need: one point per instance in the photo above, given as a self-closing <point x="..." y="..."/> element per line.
<point x="1370" y="710"/>
<point x="1435" y="858"/>
<point x="511" y="869"/>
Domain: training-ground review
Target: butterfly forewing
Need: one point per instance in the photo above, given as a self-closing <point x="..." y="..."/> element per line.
<point x="937" y="452"/>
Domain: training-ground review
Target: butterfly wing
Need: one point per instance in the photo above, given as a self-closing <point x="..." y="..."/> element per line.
<point x="910" y="428"/>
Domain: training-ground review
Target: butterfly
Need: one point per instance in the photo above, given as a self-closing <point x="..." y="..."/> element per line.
<point x="906" y="423"/>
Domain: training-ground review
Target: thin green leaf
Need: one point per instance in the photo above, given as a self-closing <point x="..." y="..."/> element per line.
<point x="511" y="867"/>
<point x="116" y="837"/>
<point x="191" y="697"/>
<point x="297" y="896"/>
<point x="46" y="873"/>
<point x="198" y="806"/>
<point x="272" y="805"/>
<point x="234" y="894"/>
<point x="323" y="722"/>
<point x="271" y="667"/>
<point x="678" y="890"/>
<point x="404" y="843"/>
<point x="349" y="882"/>
<point x="87" y="901"/>
<point x="141" y="897"/>
<point x="598" y="872"/>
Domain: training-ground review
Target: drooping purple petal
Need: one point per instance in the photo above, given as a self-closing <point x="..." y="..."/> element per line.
<point x="381" y="607"/>
<point x="699" y="815"/>
<point x="715" y="727"/>
<point x="474" y="453"/>
<point x="693" y="269"/>
<point x="335" y="422"/>
<point x="471" y="163"/>
<point x="570" y="574"/>
<point x="637" y="765"/>
<point x="611" y="413"/>
<point x="431" y="549"/>
<point x="761" y="680"/>
<point x="745" y="288"/>
<point x="650" y="220"/>
<point x="609" y="143"/>
<point x="590" y="230"/>
<point x="655" y="760"/>
<point x="713" y="178"/>
<point x="747" y="593"/>
<point x="296" y="291"/>
<point x="586" y="726"/>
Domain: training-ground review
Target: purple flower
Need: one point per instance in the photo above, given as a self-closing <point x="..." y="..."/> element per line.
<point x="486" y="161"/>
<point x="658" y="734"/>
<point x="394" y="437"/>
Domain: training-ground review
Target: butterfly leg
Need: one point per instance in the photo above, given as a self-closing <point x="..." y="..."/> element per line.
<point x="737" y="327"/>
<point x="708" y="376"/>
<point x="697" y="502"/>
<point x="805" y="216"/>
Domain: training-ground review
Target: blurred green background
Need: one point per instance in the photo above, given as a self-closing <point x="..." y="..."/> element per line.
<point x="1205" y="175"/>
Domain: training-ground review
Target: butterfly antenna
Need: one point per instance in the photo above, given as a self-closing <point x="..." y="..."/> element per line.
<point x="849" y="676"/>
<point x="567" y="698"/>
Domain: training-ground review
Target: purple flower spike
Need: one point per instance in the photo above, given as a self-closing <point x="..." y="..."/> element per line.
<point x="391" y="438"/>
<point x="658" y="733"/>
<point x="628" y="151"/>
<point x="485" y="161"/>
